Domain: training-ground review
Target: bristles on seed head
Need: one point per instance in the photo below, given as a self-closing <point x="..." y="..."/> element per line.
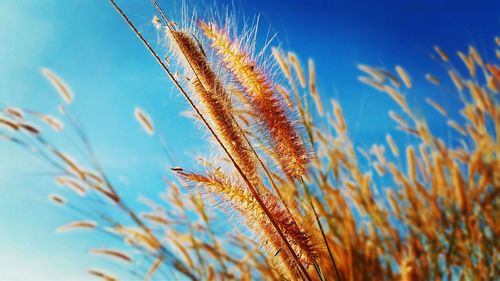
<point x="283" y="135"/>
<point x="230" y="193"/>
<point x="156" y="22"/>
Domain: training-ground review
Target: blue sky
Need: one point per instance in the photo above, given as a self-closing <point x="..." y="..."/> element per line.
<point x="90" y="47"/>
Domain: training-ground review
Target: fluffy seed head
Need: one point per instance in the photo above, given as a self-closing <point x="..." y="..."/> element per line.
<point x="231" y="194"/>
<point x="272" y="114"/>
<point x="215" y="101"/>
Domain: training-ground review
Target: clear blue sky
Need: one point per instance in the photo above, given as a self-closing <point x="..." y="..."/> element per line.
<point x="88" y="45"/>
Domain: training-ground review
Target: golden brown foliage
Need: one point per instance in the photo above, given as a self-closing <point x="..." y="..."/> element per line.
<point x="313" y="218"/>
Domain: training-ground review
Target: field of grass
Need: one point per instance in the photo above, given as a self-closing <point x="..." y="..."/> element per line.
<point x="298" y="198"/>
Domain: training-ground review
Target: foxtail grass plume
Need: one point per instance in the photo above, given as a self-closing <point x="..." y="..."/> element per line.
<point x="215" y="101"/>
<point x="235" y="197"/>
<point x="283" y="136"/>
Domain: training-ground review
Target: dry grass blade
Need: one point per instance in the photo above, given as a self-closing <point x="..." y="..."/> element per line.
<point x="9" y="124"/>
<point x="431" y="78"/>
<point x="312" y="87"/>
<point x="101" y="274"/>
<point x="437" y="107"/>
<point x="392" y="145"/>
<point x="29" y="128"/>
<point x="372" y="83"/>
<point x="144" y="120"/>
<point x="457" y="81"/>
<point x="339" y="117"/>
<point x="396" y="117"/>
<point x="404" y="76"/>
<point x="59" y="85"/>
<point x="15" y="112"/>
<point x="286" y="96"/>
<point x="57" y="199"/>
<point x="441" y="54"/>
<point x="71" y="183"/>
<point x="87" y="224"/>
<point x="111" y="253"/>
<point x="374" y="73"/>
<point x="153" y="268"/>
<point x="297" y="68"/>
